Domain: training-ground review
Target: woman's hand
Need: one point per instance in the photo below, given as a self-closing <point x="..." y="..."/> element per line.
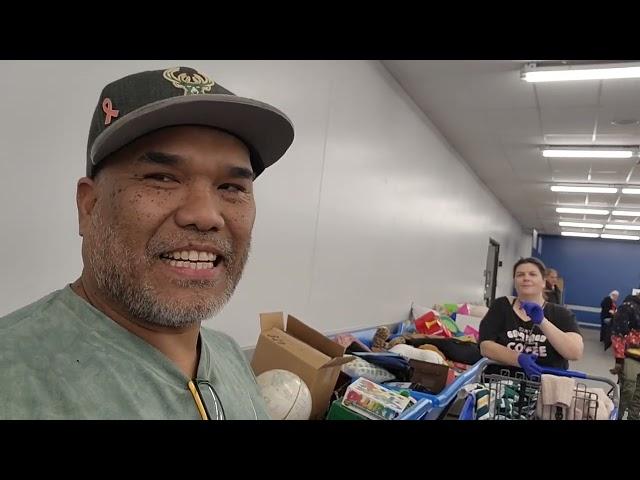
<point x="528" y="363"/>
<point x="533" y="311"/>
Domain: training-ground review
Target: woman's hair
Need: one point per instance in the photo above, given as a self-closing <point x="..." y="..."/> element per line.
<point x="614" y="292"/>
<point x="549" y="271"/>
<point x="532" y="260"/>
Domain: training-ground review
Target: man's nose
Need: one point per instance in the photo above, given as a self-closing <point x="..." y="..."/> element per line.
<point x="201" y="209"/>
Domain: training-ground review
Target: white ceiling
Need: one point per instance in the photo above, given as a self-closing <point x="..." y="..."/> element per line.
<point x="498" y="122"/>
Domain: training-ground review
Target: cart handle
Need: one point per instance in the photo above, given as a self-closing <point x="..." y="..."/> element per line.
<point x="563" y="373"/>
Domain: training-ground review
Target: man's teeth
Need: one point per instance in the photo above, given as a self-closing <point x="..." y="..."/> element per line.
<point x="193" y="259"/>
<point x="191" y="265"/>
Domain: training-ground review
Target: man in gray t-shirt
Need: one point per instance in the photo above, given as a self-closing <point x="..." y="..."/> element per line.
<point x="166" y="212"/>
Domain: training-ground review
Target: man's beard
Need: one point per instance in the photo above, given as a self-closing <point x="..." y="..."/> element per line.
<point x="114" y="266"/>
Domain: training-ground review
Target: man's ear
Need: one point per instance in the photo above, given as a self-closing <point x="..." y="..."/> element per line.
<point x="86" y="197"/>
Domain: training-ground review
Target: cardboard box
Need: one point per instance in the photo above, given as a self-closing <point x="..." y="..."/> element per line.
<point x="301" y="350"/>
<point x="430" y="375"/>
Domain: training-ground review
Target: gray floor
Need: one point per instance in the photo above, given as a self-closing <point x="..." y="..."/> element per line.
<point x="595" y="361"/>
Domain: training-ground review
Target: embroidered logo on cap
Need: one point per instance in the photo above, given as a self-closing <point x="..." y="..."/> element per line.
<point x="191" y="83"/>
<point x="108" y="110"/>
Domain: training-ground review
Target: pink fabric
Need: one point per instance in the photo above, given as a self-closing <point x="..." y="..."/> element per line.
<point x="472" y="332"/>
<point x="464" y="309"/>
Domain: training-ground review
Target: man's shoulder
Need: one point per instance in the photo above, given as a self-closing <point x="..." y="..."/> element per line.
<point x="216" y="336"/>
<point x="30" y="313"/>
<point x="220" y="341"/>
<point x="225" y="349"/>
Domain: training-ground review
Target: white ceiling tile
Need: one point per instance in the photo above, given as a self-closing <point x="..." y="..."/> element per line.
<point x="620" y="165"/>
<point x="635" y="176"/>
<point x="568" y="139"/>
<point x="629" y="201"/>
<point x="568" y="121"/>
<point x="600" y="199"/>
<point x="503" y="90"/>
<point x="601" y="170"/>
<point x="610" y="134"/>
<point x="571" y="173"/>
<point x="515" y="126"/>
<point x="568" y="198"/>
<point x="608" y="177"/>
<point x="602" y="202"/>
<point x="620" y="93"/>
<point x="567" y="94"/>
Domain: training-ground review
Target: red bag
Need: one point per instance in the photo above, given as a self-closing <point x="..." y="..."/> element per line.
<point x="430" y="324"/>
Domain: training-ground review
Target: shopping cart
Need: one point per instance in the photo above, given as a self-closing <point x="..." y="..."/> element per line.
<point x="429" y="406"/>
<point x="511" y="395"/>
<point x="511" y="392"/>
<point x="432" y="407"/>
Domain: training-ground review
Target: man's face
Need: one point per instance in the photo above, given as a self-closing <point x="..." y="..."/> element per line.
<point x="169" y="234"/>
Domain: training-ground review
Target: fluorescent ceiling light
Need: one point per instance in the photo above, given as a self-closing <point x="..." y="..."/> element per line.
<point x="580" y="225"/>
<point x="620" y="237"/>
<point x="617" y="226"/>
<point x="563" y="188"/>
<point x="595" y="153"/>
<point x="533" y="73"/>
<point x="579" y="234"/>
<point x="582" y="211"/>
<point x="631" y="191"/>
<point x="625" y="213"/>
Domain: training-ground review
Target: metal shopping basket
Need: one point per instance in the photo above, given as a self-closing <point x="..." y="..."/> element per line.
<point x="511" y="395"/>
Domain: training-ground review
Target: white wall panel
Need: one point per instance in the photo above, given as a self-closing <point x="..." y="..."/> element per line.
<point x="369" y="210"/>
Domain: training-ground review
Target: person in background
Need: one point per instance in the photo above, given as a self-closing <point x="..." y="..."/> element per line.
<point x="608" y="309"/>
<point x="552" y="292"/>
<point x="625" y="337"/>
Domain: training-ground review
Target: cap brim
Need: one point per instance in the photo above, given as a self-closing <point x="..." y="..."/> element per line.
<point x="266" y="130"/>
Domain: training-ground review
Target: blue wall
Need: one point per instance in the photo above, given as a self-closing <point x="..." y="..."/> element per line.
<point x="591" y="268"/>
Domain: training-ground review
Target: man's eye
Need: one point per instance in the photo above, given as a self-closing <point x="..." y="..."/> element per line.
<point x="230" y="187"/>
<point x="161" y="177"/>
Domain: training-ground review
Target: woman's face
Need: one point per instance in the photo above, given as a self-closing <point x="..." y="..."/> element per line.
<point x="614" y="297"/>
<point x="528" y="280"/>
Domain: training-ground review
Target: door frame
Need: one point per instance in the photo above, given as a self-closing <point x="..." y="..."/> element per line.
<point x="494" y="280"/>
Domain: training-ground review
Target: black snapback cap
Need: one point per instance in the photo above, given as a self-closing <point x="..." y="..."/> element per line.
<point x="141" y="103"/>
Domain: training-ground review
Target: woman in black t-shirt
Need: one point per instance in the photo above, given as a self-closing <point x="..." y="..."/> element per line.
<point x="526" y="331"/>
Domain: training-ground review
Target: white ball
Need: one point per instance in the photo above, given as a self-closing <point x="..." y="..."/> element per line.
<point x="286" y="395"/>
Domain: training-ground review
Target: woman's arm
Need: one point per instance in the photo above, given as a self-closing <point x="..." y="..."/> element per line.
<point x="499" y="353"/>
<point x="567" y="344"/>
